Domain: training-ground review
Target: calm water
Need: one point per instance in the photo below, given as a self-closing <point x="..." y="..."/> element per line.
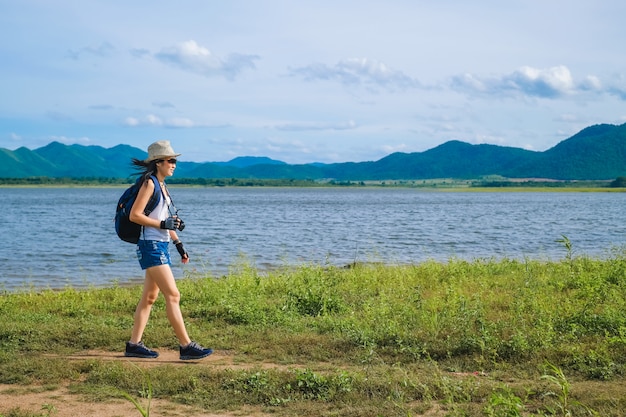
<point x="65" y="237"/>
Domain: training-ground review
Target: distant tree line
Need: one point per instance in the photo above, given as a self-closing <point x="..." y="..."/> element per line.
<point x="64" y="181"/>
<point x="209" y="182"/>
<point x="619" y="182"/>
<point x="242" y="182"/>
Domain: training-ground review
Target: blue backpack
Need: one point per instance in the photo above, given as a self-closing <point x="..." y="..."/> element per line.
<point x="127" y="230"/>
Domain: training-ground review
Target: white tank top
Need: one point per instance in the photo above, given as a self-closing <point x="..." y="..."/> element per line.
<point x="160" y="212"/>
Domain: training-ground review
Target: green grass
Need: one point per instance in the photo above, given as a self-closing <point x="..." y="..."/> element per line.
<point x="483" y="337"/>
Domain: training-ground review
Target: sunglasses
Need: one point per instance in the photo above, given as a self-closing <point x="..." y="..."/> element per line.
<point x="172" y="161"/>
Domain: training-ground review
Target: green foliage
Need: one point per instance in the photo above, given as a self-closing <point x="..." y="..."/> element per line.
<point x="385" y="337"/>
<point x="313" y="386"/>
<point x="277" y="388"/>
<point x="619" y="182"/>
<point x="485" y="310"/>
<point x="208" y="182"/>
<point x="551" y="185"/>
<point x="563" y="404"/>
<point x="313" y="292"/>
<point x="146" y="392"/>
<point x="504" y="403"/>
<point x="63" y="181"/>
<point x="48" y="411"/>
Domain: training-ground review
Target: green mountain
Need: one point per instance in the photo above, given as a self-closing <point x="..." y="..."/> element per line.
<point x="59" y="160"/>
<point x="595" y="153"/>
<point x="23" y="162"/>
<point x="452" y="159"/>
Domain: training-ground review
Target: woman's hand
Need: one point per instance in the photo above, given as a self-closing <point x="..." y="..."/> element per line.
<point x="184" y="256"/>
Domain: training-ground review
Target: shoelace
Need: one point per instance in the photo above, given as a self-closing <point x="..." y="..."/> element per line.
<point x="194" y="345"/>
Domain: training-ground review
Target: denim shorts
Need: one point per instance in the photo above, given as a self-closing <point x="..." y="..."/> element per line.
<point x="153" y="253"/>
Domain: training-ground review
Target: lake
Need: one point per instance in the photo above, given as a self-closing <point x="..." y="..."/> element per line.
<point x="58" y="237"/>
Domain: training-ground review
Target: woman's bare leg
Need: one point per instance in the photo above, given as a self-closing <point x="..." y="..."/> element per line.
<point x="142" y="312"/>
<point x="161" y="278"/>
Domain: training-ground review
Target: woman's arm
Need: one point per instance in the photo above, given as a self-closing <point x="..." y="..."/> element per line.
<point x="136" y="213"/>
<point x="179" y="247"/>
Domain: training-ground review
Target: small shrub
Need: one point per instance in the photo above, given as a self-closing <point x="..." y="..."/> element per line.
<point x="563" y="404"/>
<point x="313" y="386"/>
<point x="504" y="403"/>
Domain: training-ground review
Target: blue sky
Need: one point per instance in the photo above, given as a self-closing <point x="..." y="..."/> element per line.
<point x="308" y="81"/>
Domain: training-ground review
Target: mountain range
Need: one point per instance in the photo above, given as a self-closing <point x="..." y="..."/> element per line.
<point x="597" y="152"/>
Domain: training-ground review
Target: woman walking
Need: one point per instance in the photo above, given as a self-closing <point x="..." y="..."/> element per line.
<point x="158" y="228"/>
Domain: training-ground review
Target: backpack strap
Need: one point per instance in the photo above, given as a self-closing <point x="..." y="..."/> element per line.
<point x="154" y="200"/>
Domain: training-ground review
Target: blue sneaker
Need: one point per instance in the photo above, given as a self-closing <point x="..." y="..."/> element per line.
<point x="139" y="350"/>
<point x="194" y="351"/>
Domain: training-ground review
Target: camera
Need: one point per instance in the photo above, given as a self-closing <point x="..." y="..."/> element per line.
<point x="181" y="224"/>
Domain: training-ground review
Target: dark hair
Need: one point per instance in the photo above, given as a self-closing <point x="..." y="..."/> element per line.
<point x="143" y="168"/>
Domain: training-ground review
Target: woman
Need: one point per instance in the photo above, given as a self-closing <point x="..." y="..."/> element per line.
<point x="153" y="253"/>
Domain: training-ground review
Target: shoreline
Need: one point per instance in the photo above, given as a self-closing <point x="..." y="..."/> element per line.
<point x="266" y="272"/>
<point x="440" y="188"/>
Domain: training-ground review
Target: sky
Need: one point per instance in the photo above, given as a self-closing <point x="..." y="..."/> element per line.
<point x="308" y="81"/>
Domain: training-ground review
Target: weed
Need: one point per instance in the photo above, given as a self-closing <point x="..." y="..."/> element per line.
<point x="49" y="408"/>
<point x="312" y="292"/>
<point x="504" y="403"/>
<point x="49" y="411"/>
<point x="563" y="404"/>
<point x="146" y="392"/>
<point x="313" y="386"/>
<point x="257" y="387"/>
<point x="569" y="255"/>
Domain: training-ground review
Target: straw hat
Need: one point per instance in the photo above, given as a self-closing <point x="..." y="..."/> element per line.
<point x="160" y="150"/>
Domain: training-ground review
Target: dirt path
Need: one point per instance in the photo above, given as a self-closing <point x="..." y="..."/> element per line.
<point x="61" y="403"/>
<point x="166" y="357"/>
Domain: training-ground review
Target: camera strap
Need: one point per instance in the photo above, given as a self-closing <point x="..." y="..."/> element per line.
<point x="171" y="204"/>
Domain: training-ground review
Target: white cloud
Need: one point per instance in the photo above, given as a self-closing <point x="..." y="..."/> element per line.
<point x="617" y="86"/>
<point x="358" y="71"/>
<point x="190" y="56"/>
<point x="153" y="120"/>
<point x="468" y="82"/>
<point x="131" y="121"/>
<point x="551" y="83"/>
<point x="591" y="83"/>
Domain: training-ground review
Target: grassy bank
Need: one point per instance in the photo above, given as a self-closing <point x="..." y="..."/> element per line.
<point x="487" y="337"/>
